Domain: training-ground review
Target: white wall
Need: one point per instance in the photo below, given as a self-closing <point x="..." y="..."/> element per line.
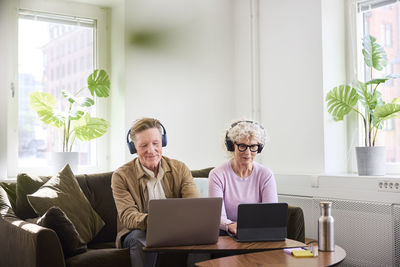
<point x="116" y="137"/>
<point x="292" y="85"/>
<point x="242" y="61"/>
<point x="334" y="73"/>
<point x="197" y="77"/>
<point x="184" y="76"/>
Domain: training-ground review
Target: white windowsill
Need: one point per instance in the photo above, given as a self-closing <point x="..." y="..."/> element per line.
<point x="341" y="186"/>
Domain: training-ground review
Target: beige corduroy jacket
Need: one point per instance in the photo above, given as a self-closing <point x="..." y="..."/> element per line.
<point x="129" y="187"/>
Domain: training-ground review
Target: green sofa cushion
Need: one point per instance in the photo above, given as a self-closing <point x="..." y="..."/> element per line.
<point x="11" y="190"/>
<point x="27" y="184"/>
<point x="59" y="222"/>
<point x="5" y="206"/>
<point x="63" y="191"/>
<point x="203" y="173"/>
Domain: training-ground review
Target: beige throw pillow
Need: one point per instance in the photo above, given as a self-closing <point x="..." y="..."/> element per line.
<point x="63" y="191"/>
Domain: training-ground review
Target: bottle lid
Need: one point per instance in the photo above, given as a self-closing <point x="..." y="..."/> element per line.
<point x="325" y="204"/>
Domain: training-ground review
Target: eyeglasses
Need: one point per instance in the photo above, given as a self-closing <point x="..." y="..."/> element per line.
<point x="243" y="147"/>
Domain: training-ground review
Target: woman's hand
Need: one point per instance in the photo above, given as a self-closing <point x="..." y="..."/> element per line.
<point x="232" y="228"/>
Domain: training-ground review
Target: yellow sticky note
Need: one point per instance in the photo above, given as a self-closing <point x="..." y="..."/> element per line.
<point x="302" y="253"/>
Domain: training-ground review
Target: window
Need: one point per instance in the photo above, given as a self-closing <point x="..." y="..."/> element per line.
<point x="37" y="139"/>
<point x="389" y="70"/>
<point x="381" y="19"/>
<point x="386" y="35"/>
<point x="82" y="64"/>
<point x="46" y="62"/>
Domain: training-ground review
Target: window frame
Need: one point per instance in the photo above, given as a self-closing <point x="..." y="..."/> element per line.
<point x="100" y="61"/>
<point x="356" y="70"/>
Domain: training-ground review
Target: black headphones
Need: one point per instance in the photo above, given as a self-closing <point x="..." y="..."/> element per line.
<point x="132" y="147"/>
<point x="230" y="146"/>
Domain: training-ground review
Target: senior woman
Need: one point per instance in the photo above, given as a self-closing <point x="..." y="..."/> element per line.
<point x="241" y="179"/>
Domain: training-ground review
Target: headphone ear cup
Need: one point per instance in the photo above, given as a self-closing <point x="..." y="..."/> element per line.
<point x="260" y="148"/>
<point x="229" y="145"/>
<point x="163" y="136"/>
<point x="131" y="147"/>
<point x="164" y="140"/>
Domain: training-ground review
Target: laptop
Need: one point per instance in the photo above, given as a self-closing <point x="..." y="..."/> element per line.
<point x="261" y="222"/>
<point x="183" y="221"/>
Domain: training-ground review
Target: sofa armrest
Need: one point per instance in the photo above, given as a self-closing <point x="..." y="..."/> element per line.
<point x="26" y="244"/>
<point x="295" y="225"/>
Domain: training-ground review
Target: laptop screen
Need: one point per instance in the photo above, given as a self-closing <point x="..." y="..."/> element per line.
<point x="261" y="215"/>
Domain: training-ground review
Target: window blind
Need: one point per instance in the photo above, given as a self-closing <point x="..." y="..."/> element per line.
<point x="49" y="17"/>
<point x="371" y="4"/>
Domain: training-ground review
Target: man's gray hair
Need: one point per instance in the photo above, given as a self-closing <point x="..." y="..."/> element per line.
<point x="144" y="124"/>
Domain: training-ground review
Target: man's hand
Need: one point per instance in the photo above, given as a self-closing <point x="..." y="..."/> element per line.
<point x="232" y="228"/>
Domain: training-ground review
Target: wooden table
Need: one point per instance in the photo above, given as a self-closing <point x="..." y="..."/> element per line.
<point x="177" y="256"/>
<point x="277" y="258"/>
<point x="226" y="244"/>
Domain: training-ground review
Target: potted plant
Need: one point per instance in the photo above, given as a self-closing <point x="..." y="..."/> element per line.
<point x="75" y="121"/>
<point x="366" y="100"/>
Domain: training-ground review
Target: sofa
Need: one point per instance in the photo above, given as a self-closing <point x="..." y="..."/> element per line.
<point x="24" y="243"/>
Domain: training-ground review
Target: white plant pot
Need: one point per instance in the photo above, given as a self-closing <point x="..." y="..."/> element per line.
<point x="58" y="160"/>
<point x="371" y="160"/>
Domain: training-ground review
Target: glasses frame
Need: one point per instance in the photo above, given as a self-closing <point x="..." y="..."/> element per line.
<point x="252" y="148"/>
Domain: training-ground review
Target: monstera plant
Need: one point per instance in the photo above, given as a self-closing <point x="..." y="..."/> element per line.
<point x="364" y="98"/>
<point x="75" y="121"/>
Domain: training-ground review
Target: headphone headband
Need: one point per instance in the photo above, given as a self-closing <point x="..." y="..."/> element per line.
<point x="230" y="146"/>
<point x="247" y="121"/>
<point x="131" y="144"/>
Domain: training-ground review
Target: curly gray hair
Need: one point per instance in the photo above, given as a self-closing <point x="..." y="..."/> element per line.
<point x="247" y="129"/>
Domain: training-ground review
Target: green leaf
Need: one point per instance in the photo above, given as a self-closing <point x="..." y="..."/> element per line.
<point x="383" y="80"/>
<point x="85" y="101"/>
<point x="70" y="97"/>
<point x="387" y="111"/>
<point x="51" y="117"/>
<point x="368" y="99"/>
<point x="374" y="54"/>
<point x="82" y="101"/>
<point x="88" y="128"/>
<point x="99" y="83"/>
<point x="376" y="81"/>
<point x="75" y="114"/>
<point x="42" y="101"/>
<point x="396" y="100"/>
<point x="341" y="100"/>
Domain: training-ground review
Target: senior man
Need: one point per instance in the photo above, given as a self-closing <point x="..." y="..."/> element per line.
<point x="149" y="176"/>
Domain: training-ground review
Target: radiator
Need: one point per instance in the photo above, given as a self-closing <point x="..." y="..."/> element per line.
<point x="368" y="231"/>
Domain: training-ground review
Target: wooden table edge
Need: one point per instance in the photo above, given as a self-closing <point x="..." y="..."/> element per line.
<point x="214" y="262"/>
<point x="227" y="244"/>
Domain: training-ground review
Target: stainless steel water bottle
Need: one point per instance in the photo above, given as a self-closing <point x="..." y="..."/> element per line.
<point x="326" y="233"/>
